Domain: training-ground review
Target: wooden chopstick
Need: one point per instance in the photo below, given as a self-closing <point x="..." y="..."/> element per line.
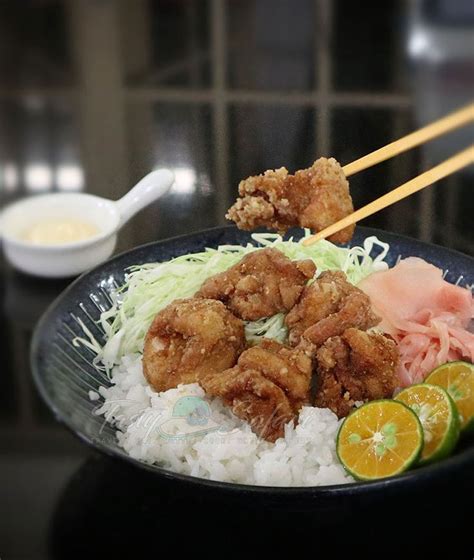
<point x="450" y="122"/>
<point x="454" y="163"/>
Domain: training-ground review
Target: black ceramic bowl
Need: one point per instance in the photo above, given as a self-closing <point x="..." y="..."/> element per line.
<point x="64" y="374"/>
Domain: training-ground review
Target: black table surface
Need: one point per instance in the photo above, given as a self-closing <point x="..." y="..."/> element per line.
<point x="93" y="95"/>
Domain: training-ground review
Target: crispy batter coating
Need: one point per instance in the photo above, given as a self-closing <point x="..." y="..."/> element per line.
<point x="188" y="339"/>
<point x="263" y="283"/>
<point x="253" y="398"/>
<point x="328" y="307"/>
<point x="356" y="366"/>
<point x="312" y="198"/>
<point x="289" y="368"/>
<point x="266" y="388"/>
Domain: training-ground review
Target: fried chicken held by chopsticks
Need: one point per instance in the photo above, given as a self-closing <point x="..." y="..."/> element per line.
<point x="312" y="198"/>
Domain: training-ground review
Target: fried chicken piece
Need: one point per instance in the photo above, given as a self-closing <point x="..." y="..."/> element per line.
<point x="266" y="388"/>
<point x="254" y="399"/>
<point x="263" y="283"/>
<point x="328" y="307"/>
<point x="357" y="366"/>
<point x="289" y="368"/>
<point x="313" y="198"/>
<point x="190" y="338"/>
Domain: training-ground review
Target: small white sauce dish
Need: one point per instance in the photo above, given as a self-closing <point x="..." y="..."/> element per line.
<point x="70" y="259"/>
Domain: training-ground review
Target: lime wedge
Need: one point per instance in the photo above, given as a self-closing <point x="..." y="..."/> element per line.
<point x="379" y="439"/>
<point x="457" y="378"/>
<point x="438" y="416"/>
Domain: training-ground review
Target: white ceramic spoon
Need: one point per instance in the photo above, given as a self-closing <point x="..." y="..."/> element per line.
<point x="69" y="259"/>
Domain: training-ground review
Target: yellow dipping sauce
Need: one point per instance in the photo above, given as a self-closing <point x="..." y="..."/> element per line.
<point x="56" y="231"/>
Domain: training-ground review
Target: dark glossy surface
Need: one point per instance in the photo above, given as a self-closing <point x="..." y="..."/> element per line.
<point x="90" y="505"/>
<point x="94" y="94"/>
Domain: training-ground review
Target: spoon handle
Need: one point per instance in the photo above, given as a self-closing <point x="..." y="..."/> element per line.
<point x="147" y="190"/>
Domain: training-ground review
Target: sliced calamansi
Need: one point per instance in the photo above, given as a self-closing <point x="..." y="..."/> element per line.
<point x="438" y="416"/>
<point x="457" y="378"/>
<point x="379" y="439"/>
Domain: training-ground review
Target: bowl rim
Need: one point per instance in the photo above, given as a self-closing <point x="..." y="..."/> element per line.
<point x="414" y="476"/>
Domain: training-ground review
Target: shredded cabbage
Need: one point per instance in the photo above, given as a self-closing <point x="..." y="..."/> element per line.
<point x="150" y="287"/>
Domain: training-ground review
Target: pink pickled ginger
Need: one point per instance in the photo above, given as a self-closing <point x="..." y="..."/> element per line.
<point x="427" y="316"/>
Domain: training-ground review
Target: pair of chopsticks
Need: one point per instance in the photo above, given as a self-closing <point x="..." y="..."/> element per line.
<point x="442" y="126"/>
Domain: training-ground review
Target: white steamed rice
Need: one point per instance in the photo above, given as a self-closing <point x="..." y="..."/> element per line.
<point x="305" y="456"/>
